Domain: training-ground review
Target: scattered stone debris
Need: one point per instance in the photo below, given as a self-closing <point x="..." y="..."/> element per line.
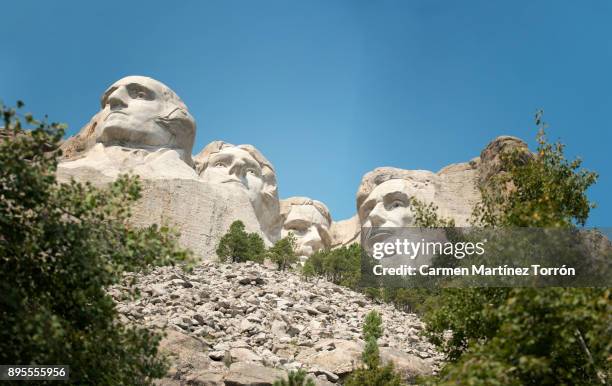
<point x="243" y="324"/>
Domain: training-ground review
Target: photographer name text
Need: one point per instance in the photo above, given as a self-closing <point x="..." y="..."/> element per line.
<point x="475" y="270"/>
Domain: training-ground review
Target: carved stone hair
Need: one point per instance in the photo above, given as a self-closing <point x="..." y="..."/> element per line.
<point x="286" y="204"/>
<point x="380" y="175"/>
<point x="270" y="189"/>
<point x="324" y="232"/>
<point x="174" y="117"/>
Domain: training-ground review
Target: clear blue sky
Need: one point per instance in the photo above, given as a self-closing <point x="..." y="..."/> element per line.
<point x="330" y="89"/>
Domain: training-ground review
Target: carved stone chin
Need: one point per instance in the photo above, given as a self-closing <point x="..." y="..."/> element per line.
<point x="111" y="161"/>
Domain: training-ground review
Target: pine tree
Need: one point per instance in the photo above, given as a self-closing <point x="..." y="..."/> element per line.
<point x="238" y="246"/>
<point x="283" y="252"/>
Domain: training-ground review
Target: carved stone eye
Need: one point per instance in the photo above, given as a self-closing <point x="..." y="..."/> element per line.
<point x="396" y="204"/>
<point x="141" y="95"/>
<point x="219" y="165"/>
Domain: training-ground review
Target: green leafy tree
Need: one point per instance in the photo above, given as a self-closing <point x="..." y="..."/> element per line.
<point x="536" y="336"/>
<point x="257" y="248"/>
<point x="545" y="190"/>
<point x="282" y="253"/>
<point x="61" y="246"/>
<point x="295" y="378"/>
<point x="341" y="266"/>
<point x="238" y="246"/>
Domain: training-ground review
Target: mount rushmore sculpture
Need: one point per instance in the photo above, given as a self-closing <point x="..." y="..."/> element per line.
<point x="309" y="221"/>
<point x="144" y="128"/>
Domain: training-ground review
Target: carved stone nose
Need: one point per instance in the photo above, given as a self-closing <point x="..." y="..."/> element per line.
<point x="375" y="216"/>
<point x="118" y="99"/>
<point x="312" y="237"/>
<point x="237" y="168"/>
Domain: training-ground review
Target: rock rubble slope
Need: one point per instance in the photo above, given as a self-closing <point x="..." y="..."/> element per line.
<point x="248" y="324"/>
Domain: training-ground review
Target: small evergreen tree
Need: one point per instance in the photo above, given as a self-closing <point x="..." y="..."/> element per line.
<point x="372" y="326"/>
<point x="238" y="246"/>
<point x="372" y="330"/>
<point x="380" y="376"/>
<point x="371" y="353"/>
<point x="373" y="374"/>
<point x="283" y="252"/>
<point x="295" y="378"/>
<point x="308" y="271"/>
<point x="341" y="266"/>
<point x="257" y="248"/>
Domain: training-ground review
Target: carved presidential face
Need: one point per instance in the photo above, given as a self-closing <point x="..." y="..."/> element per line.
<point x="310" y="228"/>
<point x="142" y="112"/>
<point x="388" y="206"/>
<point x="235" y="167"/>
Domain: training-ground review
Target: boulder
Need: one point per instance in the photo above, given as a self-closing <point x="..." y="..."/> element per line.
<point x="249" y="374"/>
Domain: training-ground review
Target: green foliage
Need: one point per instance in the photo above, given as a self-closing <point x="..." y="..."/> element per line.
<point x="372" y="330"/>
<point x="537" y="336"/>
<point x="379" y="376"/>
<point x="371" y="353"/>
<point x="426" y="215"/>
<point x="546" y="190"/>
<point x="373" y="373"/>
<point x="238" y="246"/>
<point x="61" y="247"/>
<point x="295" y="378"/>
<point x="372" y="326"/>
<point x="282" y="253"/>
<point x="340" y="266"/>
<point x="408" y="299"/>
<point x="308" y="271"/>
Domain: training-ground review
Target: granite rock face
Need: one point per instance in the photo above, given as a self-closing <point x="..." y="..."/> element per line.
<point x="455" y="190"/>
<point x="200" y="211"/>
<point x="247" y="324"/>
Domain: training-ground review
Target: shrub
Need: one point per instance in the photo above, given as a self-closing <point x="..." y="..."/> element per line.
<point x="295" y="378"/>
<point x="379" y="376"/>
<point x="282" y="253"/>
<point x="340" y="266"/>
<point x="238" y="246"/>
